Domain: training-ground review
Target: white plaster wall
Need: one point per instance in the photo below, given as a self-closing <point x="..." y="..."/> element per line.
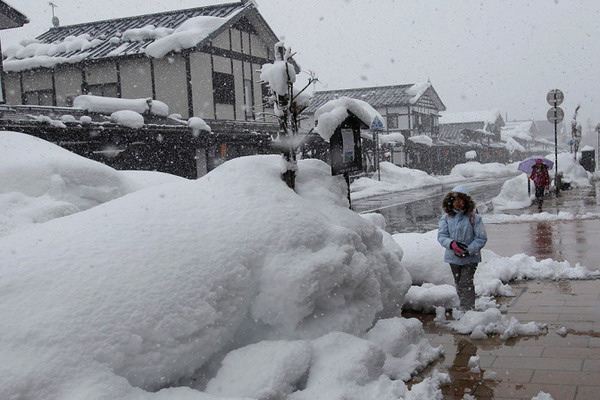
<point x="96" y="74"/>
<point x="224" y="111"/>
<point x="259" y="49"/>
<point x="202" y="93"/>
<point x="236" y="40"/>
<point x="12" y="87"/>
<point x="222" y="40"/>
<point x="68" y="83"/>
<point x="222" y="64"/>
<point x="136" y="78"/>
<point x="238" y="78"/>
<point x="37" y="80"/>
<point x="171" y="88"/>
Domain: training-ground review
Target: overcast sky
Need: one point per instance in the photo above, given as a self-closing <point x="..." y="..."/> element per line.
<point x="478" y="55"/>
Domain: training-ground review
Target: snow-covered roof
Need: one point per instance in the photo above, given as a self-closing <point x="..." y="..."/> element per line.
<point x="11" y="17"/>
<point x="392" y="138"/>
<point x="487" y="116"/>
<point x="484" y="132"/>
<point x="512" y="145"/>
<point x="379" y="96"/>
<point x="154" y="34"/>
<point x="421" y="139"/>
<point x="331" y="114"/>
<point x="524" y="130"/>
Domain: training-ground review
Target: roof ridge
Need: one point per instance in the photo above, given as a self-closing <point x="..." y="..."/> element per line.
<point x="366" y="88"/>
<point x="54" y="29"/>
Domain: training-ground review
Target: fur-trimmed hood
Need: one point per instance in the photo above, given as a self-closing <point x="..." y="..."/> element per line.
<point x="462" y="193"/>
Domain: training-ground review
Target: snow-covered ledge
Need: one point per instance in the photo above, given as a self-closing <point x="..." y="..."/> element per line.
<point x="113" y="104"/>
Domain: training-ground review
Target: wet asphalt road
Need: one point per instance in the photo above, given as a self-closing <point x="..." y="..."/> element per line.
<point x="419" y="210"/>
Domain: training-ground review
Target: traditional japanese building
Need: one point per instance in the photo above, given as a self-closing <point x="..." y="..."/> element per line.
<point x="201" y="62"/>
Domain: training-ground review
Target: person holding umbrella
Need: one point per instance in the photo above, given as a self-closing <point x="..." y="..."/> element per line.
<point x="541" y="180"/>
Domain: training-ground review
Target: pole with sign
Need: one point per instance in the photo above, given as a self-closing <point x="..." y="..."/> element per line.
<point x="555" y="115"/>
<point x="376" y="127"/>
<point x="598" y="147"/>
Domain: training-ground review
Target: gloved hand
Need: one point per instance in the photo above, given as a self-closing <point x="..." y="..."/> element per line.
<point x="459" y="249"/>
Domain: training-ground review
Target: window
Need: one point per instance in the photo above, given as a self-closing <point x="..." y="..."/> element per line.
<point x="392" y="121"/>
<point x="223" y="88"/>
<point x="104" y="90"/>
<point x="39" y="98"/>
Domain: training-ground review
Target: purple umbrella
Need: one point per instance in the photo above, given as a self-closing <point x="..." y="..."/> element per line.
<point x="527" y="164"/>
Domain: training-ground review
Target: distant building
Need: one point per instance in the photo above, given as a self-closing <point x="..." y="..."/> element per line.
<point x="523" y="132"/>
<point x="411" y="110"/>
<point x="488" y="121"/>
<point x="473" y="131"/>
<point x="546" y="134"/>
<point x="201" y="62"/>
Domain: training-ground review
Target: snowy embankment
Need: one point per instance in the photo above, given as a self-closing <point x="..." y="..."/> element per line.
<point x="391" y="178"/>
<point x="40" y="181"/>
<point x="175" y="290"/>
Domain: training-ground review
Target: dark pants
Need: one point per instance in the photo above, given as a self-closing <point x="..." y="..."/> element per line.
<point x="539" y="195"/>
<point x="463" y="279"/>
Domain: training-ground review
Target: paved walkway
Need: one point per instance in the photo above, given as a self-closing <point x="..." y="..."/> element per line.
<point x="565" y="361"/>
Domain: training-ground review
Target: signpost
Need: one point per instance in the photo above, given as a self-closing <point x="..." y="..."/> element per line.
<point x="376" y="126"/>
<point x="345" y="149"/>
<point x="555" y="115"/>
<point x="598" y="147"/>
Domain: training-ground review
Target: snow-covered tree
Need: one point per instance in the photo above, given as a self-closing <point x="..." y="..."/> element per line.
<point x="288" y="103"/>
<point x="576" y="131"/>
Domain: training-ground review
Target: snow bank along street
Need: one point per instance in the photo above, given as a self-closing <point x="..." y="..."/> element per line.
<point x="126" y="285"/>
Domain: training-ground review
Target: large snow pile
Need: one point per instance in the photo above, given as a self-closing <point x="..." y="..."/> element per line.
<point x="393" y="179"/>
<point x="514" y="194"/>
<point x="572" y="171"/>
<point x="40" y="181"/>
<point x="153" y="289"/>
<point x="473" y="169"/>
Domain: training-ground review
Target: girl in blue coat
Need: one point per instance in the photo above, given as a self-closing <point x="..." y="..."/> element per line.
<point x="462" y="233"/>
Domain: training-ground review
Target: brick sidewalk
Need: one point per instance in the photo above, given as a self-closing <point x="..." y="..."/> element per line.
<point x="566" y="366"/>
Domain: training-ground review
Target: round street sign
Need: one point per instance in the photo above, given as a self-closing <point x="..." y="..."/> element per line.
<point x="555" y="97"/>
<point x="555" y="115"/>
